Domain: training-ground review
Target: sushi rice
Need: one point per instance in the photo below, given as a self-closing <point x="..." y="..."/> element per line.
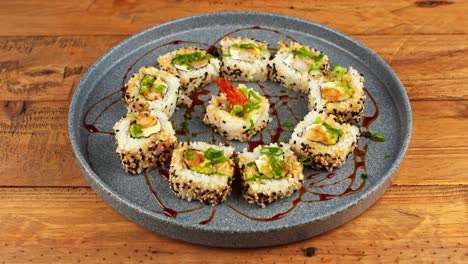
<point x="295" y="66"/>
<point x="341" y="94"/>
<point x="210" y="184"/>
<point x="145" y="140"/>
<point x="259" y="184"/>
<point x="193" y="66"/>
<point x="152" y="89"/>
<point x="319" y="154"/>
<point x="220" y="116"/>
<point x="244" y="59"/>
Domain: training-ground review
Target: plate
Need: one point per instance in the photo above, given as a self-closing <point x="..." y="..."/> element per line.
<point x="326" y="201"/>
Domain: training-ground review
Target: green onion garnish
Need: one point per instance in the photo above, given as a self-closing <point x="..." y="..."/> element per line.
<point x="339" y="69"/>
<point x="332" y="129"/>
<point x="281" y="140"/>
<point x="287" y="124"/>
<point x="160" y="88"/>
<point x="184" y="59"/>
<point x="378" y="137"/>
<point x="236" y="109"/>
<point x="387" y="156"/>
<point x="271" y="151"/>
<point x="364" y="176"/>
<point x="146" y="83"/>
<point x="136" y="130"/>
<point x="250" y="164"/>
<point x="304" y="53"/>
<point x="306" y="161"/>
<point x="255" y="177"/>
<point x="189" y="155"/>
<point x="251" y="128"/>
<point x="212" y="153"/>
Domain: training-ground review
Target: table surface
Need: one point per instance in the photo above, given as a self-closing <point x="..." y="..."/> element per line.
<point x="48" y="213"/>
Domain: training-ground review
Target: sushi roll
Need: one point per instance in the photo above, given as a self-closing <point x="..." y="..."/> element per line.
<point x="195" y="67"/>
<point x="145" y="140"/>
<point x="152" y="89"/>
<point x="244" y="59"/>
<point x="269" y="173"/>
<point x="322" y="143"/>
<point x="341" y="94"/>
<point x="202" y="171"/>
<point x="295" y="66"/>
<point x="237" y="113"/>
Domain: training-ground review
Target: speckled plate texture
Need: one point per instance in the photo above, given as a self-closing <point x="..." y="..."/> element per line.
<point x="326" y="200"/>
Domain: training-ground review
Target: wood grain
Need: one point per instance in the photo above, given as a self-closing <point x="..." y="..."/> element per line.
<point x="29" y="129"/>
<point x="73" y="225"/>
<point x="127" y="17"/>
<point x="49" y="68"/>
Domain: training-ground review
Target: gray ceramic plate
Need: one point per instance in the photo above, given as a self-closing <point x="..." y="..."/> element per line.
<point x="325" y="202"/>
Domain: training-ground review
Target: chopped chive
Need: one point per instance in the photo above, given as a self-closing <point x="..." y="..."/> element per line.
<point x="251" y="128"/>
<point x="378" y="137"/>
<point x="189" y="155"/>
<point x="160" y="88"/>
<point x="136" y="130"/>
<point x="332" y="129"/>
<point x="255" y="177"/>
<point x="306" y="161"/>
<point x="318" y="120"/>
<point x="236" y="159"/>
<point x="281" y="140"/>
<point x="250" y="164"/>
<point x="387" y="156"/>
<point x="364" y="176"/>
<point x="287" y="124"/>
<point x="212" y="153"/>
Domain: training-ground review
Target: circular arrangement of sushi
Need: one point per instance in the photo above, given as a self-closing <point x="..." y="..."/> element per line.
<point x="323" y="140"/>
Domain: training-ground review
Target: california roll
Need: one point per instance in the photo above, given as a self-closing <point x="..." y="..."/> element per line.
<point x="145" y="140"/>
<point x="237" y="113"/>
<point x="296" y="65"/>
<point x="269" y="173"/>
<point x="322" y="143"/>
<point x="244" y="59"/>
<point x="341" y="94"/>
<point x="193" y="66"/>
<point x="152" y="89"/>
<point x="202" y="171"/>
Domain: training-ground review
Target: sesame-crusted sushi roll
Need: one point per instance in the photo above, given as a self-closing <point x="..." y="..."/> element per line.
<point x="244" y="59"/>
<point x="269" y="173"/>
<point x="322" y="143"/>
<point x="195" y="67"/>
<point x="237" y="113"/>
<point x="202" y="171"/>
<point x="341" y="94"/>
<point x="145" y="140"/>
<point x="296" y="65"/>
<point x="152" y="89"/>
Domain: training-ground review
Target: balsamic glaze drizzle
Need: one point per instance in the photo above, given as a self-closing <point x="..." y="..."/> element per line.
<point x="279" y="102"/>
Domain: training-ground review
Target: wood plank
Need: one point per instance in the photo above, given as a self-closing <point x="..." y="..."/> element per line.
<point x="28" y="130"/>
<point x="36" y="148"/>
<point x="74" y="225"/>
<point x="128" y="17"/>
<point x="49" y="68"/>
<point x="39" y="69"/>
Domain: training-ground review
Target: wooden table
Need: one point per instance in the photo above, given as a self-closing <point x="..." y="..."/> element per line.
<point x="49" y="214"/>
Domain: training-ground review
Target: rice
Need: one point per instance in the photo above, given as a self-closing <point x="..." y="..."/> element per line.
<point x="346" y="110"/>
<point x="265" y="189"/>
<point x="191" y="184"/>
<point x="295" y="66"/>
<point x="244" y="64"/>
<point x="138" y="100"/>
<point x="143" y="154"/>
<point x="198" y="74"/>
<point x="232" y="126"/>
<point x="318" y="154"/>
